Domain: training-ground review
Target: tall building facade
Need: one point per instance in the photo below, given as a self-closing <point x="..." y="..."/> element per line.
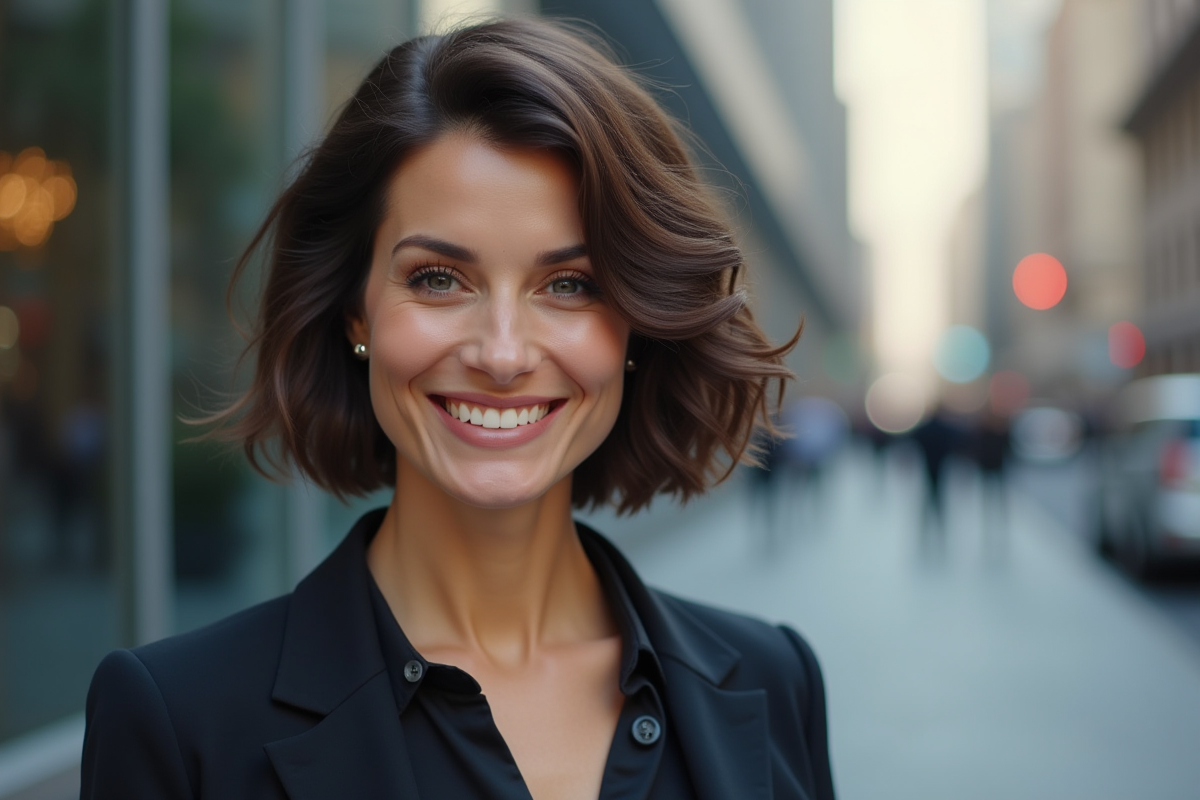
<point x="141" y="142"/>
<point x="1165" y="118"/>
<point x="1064" y="180"/>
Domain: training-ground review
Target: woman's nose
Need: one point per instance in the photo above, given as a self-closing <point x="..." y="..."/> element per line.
<point x="501" y="344"/>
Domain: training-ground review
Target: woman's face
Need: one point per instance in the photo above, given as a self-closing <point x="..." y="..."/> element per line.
<point x="495" y="366"/>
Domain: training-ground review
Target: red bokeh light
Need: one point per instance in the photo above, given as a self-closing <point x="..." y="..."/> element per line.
<point x="34" y="316"/>
<point x="1126" y="345"/>
<point x="1040" y="281"/>
<point x="1008" y="392"/>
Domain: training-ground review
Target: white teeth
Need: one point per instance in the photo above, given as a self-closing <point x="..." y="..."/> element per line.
<point x="493" y="418"/>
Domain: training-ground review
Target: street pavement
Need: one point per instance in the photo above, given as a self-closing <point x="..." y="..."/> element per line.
<point x="1066" y="491"/>
<point x="989" y="661"/>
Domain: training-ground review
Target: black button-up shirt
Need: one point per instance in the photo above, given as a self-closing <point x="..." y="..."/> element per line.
<point x="456" y="751"/>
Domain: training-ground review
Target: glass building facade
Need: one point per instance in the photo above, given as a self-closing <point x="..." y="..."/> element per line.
<point x="140" y="144"/>
<point x="59" y="263"/>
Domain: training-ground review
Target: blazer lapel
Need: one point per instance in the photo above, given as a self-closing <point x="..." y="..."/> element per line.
<point x="358" y="750"/>
<point x="723" y="733"/>
<point x="331" y="665"/>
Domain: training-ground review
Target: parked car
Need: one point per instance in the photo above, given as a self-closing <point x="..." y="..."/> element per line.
<point x="1149" y="477"/>
<point x="1046" y="434"/>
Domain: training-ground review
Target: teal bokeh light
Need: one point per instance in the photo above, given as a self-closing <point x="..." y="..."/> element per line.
<point x="962" y="354"/>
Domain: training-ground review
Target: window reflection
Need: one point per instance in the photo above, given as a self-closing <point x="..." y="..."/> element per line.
<point x="225" y="158"/>
<point x="63" y="313"/>
<point x="58" y="192"/>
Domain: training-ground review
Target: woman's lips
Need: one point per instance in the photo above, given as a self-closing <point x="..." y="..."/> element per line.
<point x="486" y="425"/>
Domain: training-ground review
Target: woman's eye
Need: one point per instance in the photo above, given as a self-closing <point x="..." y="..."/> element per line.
<point x="439" y="281"/>
<point x="566" y="286"/>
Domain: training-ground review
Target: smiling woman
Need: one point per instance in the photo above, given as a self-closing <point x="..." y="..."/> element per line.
<point x="662" y="253"/>
<point x="498" y="287"/>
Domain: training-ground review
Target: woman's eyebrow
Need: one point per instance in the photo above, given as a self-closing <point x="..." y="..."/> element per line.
<point x="552" y="257"/>
<point x="460" y="253"/>
<point x="439" y="246"/>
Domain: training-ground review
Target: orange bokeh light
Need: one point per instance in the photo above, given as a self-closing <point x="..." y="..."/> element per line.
<point x="1126" y="345"/>
<point x="34" y="194"/>
<point x="1040" y="281"/>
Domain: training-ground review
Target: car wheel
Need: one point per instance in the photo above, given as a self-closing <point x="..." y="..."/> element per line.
<point x="1134" y="552"/>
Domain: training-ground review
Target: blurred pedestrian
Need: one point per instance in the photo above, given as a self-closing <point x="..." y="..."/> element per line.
<point x="936" y="438"/>
<point x="764" y="481"/>
<point x="73" y="480"/>
<point x="990" y="443"/>
<point x="877" y="442"/>
<point x="816" y="428"/>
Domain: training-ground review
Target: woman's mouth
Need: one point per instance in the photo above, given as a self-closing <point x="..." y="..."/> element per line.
<point x="484" y="416"/>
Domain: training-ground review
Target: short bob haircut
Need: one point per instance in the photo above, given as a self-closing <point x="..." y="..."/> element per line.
<point x="662" y="250"/>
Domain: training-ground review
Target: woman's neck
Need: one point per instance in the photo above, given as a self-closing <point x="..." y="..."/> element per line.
<point x="497" y="583"/>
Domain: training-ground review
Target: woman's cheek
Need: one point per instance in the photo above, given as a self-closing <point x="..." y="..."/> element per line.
<point x="406" y="342"/>
<point x="413" y="338"/>
<point x="593" y="354"/>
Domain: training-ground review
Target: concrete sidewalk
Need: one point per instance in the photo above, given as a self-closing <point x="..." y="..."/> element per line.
<point x="963" y="668"/>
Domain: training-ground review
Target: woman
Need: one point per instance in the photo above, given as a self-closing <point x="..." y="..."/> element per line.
<point x="498" y="286"/>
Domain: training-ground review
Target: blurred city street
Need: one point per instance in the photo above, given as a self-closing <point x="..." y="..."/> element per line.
<point x="1001" y="664"/>
<point x="982" y="213"/>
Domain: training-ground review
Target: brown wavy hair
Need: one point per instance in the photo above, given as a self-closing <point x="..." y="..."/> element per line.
<point x="663" y="253"/>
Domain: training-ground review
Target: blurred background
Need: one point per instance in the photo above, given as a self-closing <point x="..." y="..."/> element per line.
<point x="987" y="212"/>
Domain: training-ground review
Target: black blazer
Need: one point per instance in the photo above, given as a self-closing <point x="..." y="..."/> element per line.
<point x="291" y="699"/>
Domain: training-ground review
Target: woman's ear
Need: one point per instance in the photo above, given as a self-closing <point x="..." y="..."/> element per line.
<point x="357" y="331"/>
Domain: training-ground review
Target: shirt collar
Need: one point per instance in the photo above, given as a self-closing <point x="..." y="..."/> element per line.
<point x="639" y="661"/>
<point x="638" y="658"/>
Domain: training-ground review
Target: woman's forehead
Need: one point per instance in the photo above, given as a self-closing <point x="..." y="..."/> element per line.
<point x="464" y="190"/>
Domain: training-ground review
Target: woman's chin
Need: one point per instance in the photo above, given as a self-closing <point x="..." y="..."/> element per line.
<point x="496" y="501"/>
<point x="497" y="493"/>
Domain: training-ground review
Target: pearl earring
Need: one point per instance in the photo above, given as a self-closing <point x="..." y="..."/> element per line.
<point x="630" y="365"/>
<point x="360" y="351"/>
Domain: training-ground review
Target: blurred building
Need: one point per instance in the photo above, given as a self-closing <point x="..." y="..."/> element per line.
<point x="754" y="80"/>
<point x="1165" y="118"/>
<point x="966" y="291"/>
<point x="140" y="145"/>
<point x="1064" y="179"/>
<point x="966" y="263"/>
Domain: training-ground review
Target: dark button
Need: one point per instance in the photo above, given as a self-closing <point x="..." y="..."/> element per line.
<point x="646" y="730"/>
<point x="413" y="671"/>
